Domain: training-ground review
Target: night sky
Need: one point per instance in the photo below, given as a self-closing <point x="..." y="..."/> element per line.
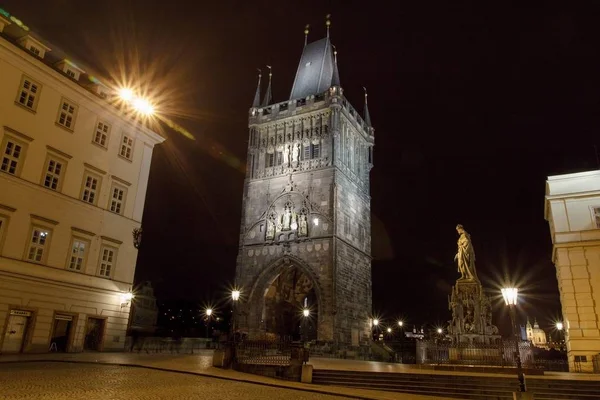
<point x="473" y="108"/>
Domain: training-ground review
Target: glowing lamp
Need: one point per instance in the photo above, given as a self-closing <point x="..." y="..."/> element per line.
<point x="510" y="296"/>
<point x="209" y="312"/>
<point x="389" y="330"/>
<point x="375" y="322"/>
<point x="559" y="326"/>
<point x="400" y="323"/>
<point x="126" y="94"/>
<point x="143" y="106"/>
<point x="235" y="295"/>
<point x="440" y="330"/>
<point x="306" y="312"/>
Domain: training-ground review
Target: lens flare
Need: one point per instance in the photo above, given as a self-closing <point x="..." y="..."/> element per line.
<point x="126" y="94"/>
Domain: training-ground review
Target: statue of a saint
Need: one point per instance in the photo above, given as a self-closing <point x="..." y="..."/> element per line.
<point x="286" y="156"/>
<point x="465" y="255"/>
<point x="303" y="226"/>
<point x="295" y="152"/>
<point x="270" y="229"/>
<point x="287" y="218"/>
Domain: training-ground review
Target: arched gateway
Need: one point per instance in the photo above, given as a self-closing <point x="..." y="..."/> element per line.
<point x="306" y="225"/>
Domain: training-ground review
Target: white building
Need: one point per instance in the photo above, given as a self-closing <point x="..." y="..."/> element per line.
<point x="536" y="335"/>
<point x="572" y="209"/>
<point x="73" y="178"/>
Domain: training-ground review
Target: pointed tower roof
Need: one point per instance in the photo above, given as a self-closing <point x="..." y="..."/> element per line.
<point x="268" y="95"/>
<point x="256" y="102"/>
<point x="335" y="79"/>
<point x="366" y="114"/>
<point x="315" y="70"/>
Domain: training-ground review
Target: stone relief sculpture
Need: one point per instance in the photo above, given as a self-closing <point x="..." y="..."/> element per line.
<point x="295" y="153"/>
<point x="270" y="228"/>
<point x="465" y="255"/>
<point x="302" y="225"/>
<point x="287" y="217"/>
<point x="286" y="156"/>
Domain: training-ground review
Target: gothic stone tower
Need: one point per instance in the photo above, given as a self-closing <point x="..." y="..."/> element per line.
<point x="305" y="238"/>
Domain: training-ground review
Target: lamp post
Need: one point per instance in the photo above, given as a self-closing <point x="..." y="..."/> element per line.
<point x="375" y="326"/>
<point x="208" y="313"/>
<point x="235" y="296"/>
<point x="305" y="315"/>
<point x="401" y="326"/>
<point x="510" y="298"/>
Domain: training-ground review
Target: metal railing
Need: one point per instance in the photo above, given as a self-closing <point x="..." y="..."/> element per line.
<point x="499" y="354"/>
<point x="264" y="352"/>
<point x="167" y="345"/>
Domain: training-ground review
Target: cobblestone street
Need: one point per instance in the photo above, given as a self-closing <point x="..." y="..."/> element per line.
<point x="50" y="381"/>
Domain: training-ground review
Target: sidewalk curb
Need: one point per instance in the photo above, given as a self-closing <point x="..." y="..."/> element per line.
<point x="192" y="373"/>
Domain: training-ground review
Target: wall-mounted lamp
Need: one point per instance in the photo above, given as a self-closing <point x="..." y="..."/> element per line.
<point x="126" y="298"/>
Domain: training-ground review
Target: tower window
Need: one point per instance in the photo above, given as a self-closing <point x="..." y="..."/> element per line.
<point x="316" y="150"/>
<point x="279" y="158"/>
<point x="270" y="159"/>
<point x="307" y="152"/>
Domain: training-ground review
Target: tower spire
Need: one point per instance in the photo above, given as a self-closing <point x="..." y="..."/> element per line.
<point x="268" y="95"/>
<point x="327" y="23"/>
<point x="367" y="116"/>
<point x="256" y="102"/>
<point x="306" y="34"/>
<point x="335" y="78"/>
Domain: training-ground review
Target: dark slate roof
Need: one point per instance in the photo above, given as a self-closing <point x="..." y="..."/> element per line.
<point x="315" y="70"/>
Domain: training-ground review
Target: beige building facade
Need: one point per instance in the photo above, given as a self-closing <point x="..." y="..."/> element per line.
<point x="572" y="209"/>
<point x="73" y="178"/>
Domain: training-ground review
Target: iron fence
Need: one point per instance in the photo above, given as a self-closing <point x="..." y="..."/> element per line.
<point x="167" y="345"/>
<point x="264" y="352"/>
<point x="498" y="354"/>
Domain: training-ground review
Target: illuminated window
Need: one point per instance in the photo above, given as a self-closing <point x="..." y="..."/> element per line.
<point x="117" y="198"/>
<point x="38" y="244"/>
<point x="13" y="155"/>
<point x="126" y="150"/>
<point x="67" y="114"/>
<point x="101" y="134"/>
<point x="55" y="170"/>
<point x="79" y="249"/>
<point x="91" y="187"/>
<point x="107" y="261"/>
<point x="28" y="93"/>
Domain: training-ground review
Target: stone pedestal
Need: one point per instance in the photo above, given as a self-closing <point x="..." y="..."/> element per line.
<point x="471" y="314"/>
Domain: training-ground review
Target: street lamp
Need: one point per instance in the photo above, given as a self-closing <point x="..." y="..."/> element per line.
<point x="510" y="298"/>
<point x="559" y="326"/>
<point x="439" y="331"/>
<point x="305" y="314"/>
<point x="208" y="313"/>
<point x="375" y="325"/>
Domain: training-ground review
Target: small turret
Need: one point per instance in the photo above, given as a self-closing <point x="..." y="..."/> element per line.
<point x="268" y="95"/>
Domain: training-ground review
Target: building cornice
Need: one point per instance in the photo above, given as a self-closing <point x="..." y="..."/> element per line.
<point x="21" y="55"/>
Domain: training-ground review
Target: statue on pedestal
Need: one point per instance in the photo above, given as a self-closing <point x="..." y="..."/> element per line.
<point x="286" y="156"/>
<point x="465" y="255"/>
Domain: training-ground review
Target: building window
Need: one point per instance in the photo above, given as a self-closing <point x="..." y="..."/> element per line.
<point x="38" y="244"/>
<point x="91" y="188"/>
<point x="107" y="261"/>
<point x="101" y="134"/>
<point x="13" y="154"/>
<point x="316" y="150"/>
<point x="597" y="216"/>
<point x="126" y="147"/>
<point x="29" y="93"/>
<point x="279" y="158"/>
<point x="270" y="159"/>
<point x="67" y="114"/>
<point x="34" y="50"/>
<point x="55" y="170"/>
<point x="306" y="152"/>
<point x="70" y="73"/>
<point x="117" y="199"/>
<point x="79" y="248"/>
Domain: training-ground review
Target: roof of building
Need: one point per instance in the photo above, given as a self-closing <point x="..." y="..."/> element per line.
<point x="315" y="71"/>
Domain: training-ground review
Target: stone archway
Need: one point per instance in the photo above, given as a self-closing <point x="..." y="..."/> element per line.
<point x="278" y="297"/>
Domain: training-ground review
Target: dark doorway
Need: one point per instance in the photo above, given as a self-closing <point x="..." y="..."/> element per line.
<point x="285" y="299"/>
<point x="61" y="333"/>
<point x="16" y="331"/>
<point x="94" y="331"/>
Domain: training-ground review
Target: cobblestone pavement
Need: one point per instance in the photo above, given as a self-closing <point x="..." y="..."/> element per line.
<point x="57" y="381"/>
